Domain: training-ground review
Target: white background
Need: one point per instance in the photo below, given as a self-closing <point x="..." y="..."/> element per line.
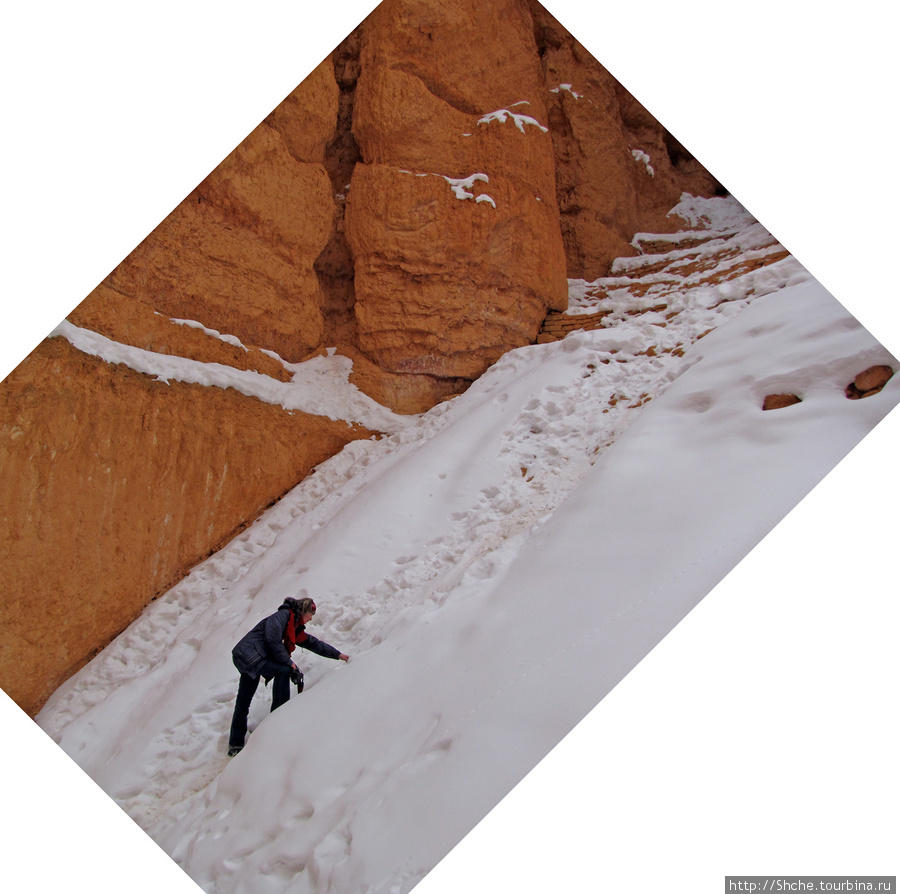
<point x="778" y="694"/>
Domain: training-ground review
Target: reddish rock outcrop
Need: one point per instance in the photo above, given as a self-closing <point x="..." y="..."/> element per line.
<point x="445" y="285"/>
<point x="869" y="382"/>
<point x="405" y="393"/>
<point x="115" y="484"/>
<point x="452" y="215"/>
<point x="779" y="401"/>
<point x="618" y="170"/>
<point x="237" y="255"/>
<point x="137" y="324"/>
<point x="350" y="216"/>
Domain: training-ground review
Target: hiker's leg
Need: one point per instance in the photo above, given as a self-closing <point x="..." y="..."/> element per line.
<point x="281" y="688"/>
<point x="246" y="690"/>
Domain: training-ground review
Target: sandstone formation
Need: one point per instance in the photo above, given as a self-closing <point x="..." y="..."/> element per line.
<point x="237" y="254"/>
<point x="419" y="200"/>
<point x="451" y="215"/>
<point x="110" y="498"/>
<point x="869" y="382"/>
<point x="418" y="203"/>
<point x="618" y="170"/>
<point x="779" y="401"/>
<point x="137" y="324"/>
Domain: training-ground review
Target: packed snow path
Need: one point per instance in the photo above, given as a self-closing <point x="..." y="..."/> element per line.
<point x="493" y="568"/>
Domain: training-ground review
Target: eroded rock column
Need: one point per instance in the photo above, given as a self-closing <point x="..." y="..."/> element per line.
<point x="452" y="214"/>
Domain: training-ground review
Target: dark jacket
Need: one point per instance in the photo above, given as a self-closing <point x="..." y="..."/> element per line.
<point x="265" y="642"/>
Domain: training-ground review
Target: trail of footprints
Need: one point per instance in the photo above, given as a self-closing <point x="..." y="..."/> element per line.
<point x="545" y="456"/>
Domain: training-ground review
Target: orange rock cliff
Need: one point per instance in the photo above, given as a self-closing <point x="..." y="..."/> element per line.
<point x="417" y="203"/>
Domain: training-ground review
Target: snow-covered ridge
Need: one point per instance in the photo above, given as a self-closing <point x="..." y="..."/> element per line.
<point x="214" y="333"/>
<point x="694" y="278"/>
<point x="320" y="386"/>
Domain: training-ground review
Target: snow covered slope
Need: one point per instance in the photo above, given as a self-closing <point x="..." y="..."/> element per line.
<point x="494" y="568"/>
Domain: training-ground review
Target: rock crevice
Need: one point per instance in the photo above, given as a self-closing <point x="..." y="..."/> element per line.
<point x="334" y="266"/>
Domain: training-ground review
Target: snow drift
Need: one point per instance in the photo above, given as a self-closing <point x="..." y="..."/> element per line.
<point x="494" y="568"/>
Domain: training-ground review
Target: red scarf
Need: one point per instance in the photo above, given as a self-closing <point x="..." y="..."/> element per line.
<point x="293" y="636"/>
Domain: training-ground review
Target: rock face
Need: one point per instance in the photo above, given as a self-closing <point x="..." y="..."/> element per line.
<point x="236" y="254"/>
<point x="869" y="382"/>
<point x="451" y="215"/>
<point x="137" y="324"/>
<point x="618" y="170"/>
<point x="780" y="401"/>
<point x="112" y="497"/>
<point x="418" y="203"/>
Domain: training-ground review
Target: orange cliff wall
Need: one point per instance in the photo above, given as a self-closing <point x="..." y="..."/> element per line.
<point x="332" y="224"/>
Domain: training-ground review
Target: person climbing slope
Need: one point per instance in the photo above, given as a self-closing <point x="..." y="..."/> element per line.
<point x="266" y="652"/>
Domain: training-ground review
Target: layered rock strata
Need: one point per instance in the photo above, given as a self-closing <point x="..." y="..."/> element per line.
<point x="418" y="202"/>
<point x="238" y="253"/>
<point x="451" y="214"/>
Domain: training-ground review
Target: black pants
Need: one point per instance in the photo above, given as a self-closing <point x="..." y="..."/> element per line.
<point x="281" y="692"/>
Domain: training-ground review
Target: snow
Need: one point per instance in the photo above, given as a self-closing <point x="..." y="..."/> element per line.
<point x="319" y="386"/>
<point x="640" y="156"/>
<point x="463" y="188"/>
<point x="212" y="333"/>
<point x="568" y="89"/>
<point x="503" y="115"/>
<point x="494" y="568"/>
